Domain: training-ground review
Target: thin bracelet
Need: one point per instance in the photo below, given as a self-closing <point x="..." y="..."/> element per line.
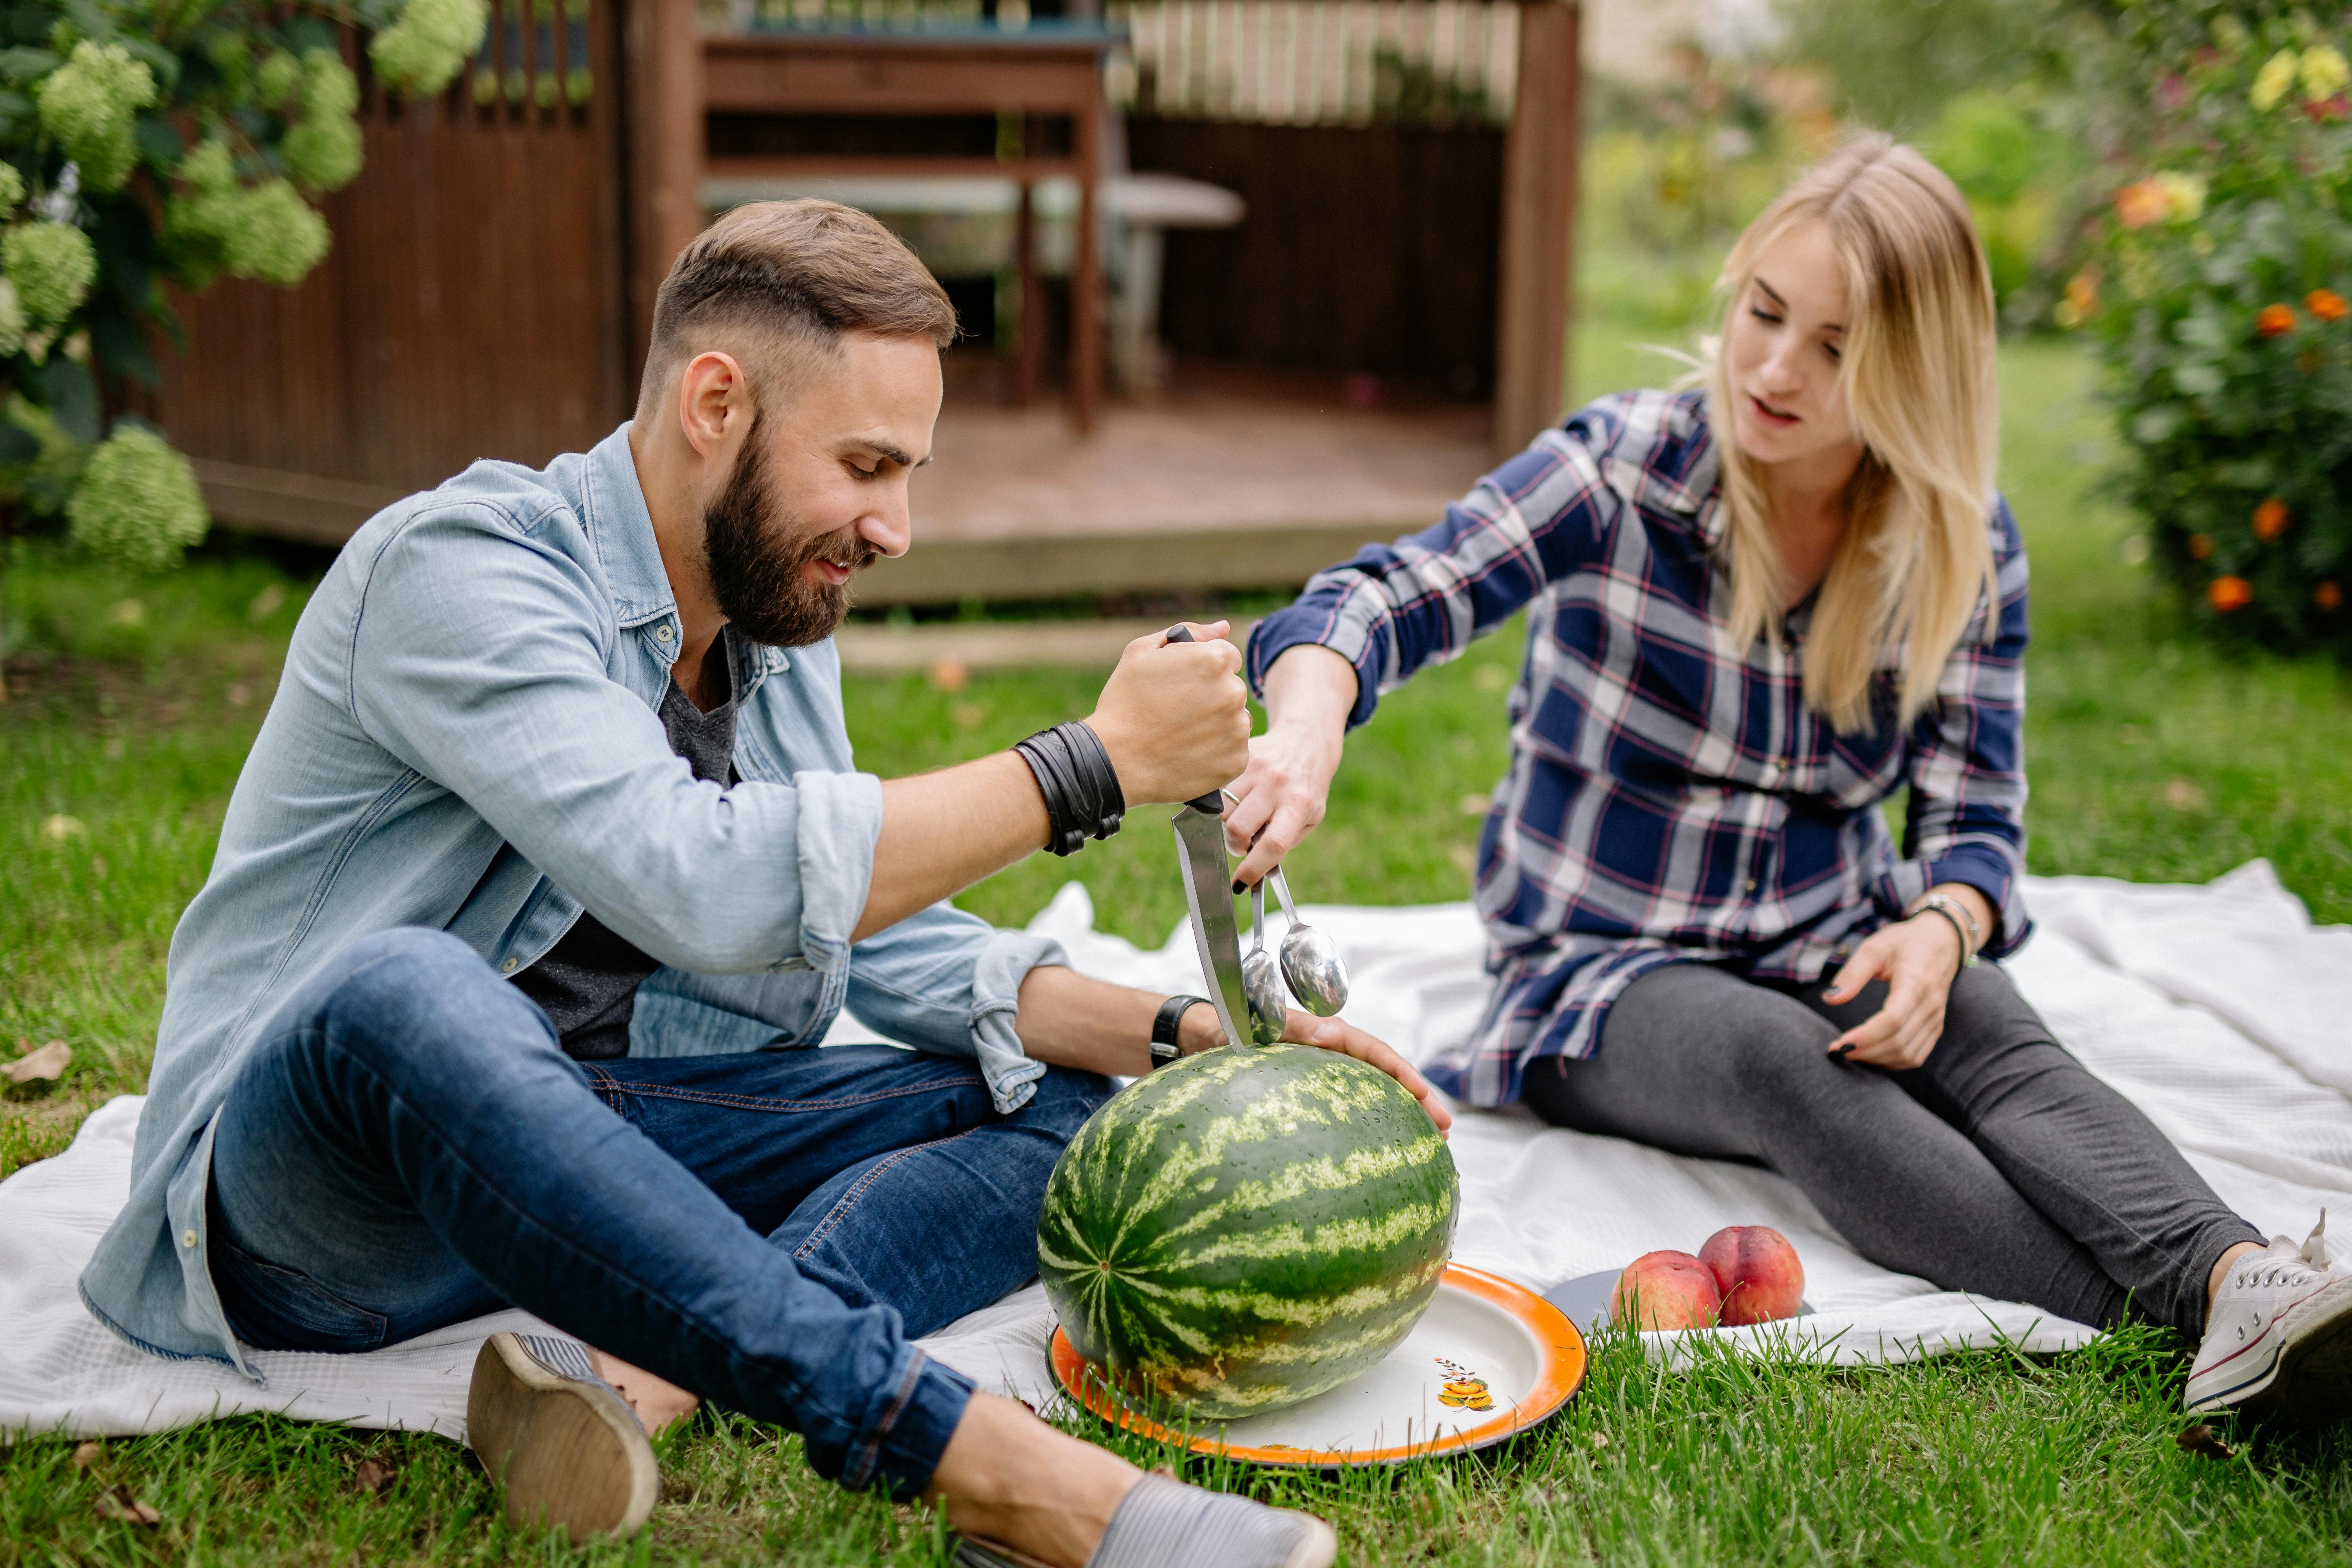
<point x="1959" y="935"/>
<point x="1946" y="901"/>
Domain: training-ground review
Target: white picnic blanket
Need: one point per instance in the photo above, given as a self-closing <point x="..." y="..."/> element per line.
<point x="2219" y="1010"/>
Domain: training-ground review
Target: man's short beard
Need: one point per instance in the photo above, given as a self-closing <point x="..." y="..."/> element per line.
<point x="758" y="568"/>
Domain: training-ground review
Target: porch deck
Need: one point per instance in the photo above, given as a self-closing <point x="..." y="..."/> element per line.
<point x="1233" y="481"/>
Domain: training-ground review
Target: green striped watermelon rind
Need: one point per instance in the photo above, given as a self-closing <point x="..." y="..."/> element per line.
<point x="1245" y="1229"/>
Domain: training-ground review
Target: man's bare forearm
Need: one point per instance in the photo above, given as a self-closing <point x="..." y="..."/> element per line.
<point x="1172" y="720"/>
<point x="943" y="832"/>
<point x="1068" y="1020"/>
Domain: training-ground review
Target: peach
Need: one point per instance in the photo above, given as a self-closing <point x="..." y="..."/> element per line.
<point x="1670" y="1290"/>
<point x="1756" y="1271"/>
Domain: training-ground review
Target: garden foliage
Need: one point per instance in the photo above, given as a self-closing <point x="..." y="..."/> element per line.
<point x="2218" y="300"/>
<point x="153" y="143"/>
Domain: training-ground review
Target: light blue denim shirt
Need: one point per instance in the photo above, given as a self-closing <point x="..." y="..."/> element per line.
<point x="465" y="738"/>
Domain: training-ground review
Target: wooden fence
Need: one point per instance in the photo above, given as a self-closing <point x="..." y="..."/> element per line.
<point x="474" y="302"/>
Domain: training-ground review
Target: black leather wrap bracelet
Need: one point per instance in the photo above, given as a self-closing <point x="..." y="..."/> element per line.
<point x="1083" y="799"/>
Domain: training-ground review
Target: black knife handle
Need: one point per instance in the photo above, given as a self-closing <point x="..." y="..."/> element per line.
<point x="1214" y="802"/>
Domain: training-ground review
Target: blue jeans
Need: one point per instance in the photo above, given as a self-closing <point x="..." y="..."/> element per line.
<point x="406" y="1147"/>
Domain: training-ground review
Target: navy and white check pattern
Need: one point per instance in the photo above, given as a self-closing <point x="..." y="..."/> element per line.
<point x="1670" y="796"/>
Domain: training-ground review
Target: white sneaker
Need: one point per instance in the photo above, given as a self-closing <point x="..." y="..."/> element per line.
<point x="2279" y="1340"/>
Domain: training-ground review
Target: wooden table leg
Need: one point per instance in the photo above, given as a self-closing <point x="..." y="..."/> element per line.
<point x="1029" y="358"/>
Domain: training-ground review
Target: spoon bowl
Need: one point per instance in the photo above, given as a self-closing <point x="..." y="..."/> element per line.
<point x="1311" y="964"/>
<point x="1259" y="984"/>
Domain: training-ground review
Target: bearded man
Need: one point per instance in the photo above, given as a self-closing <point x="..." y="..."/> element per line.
<point x="549" y="852"/>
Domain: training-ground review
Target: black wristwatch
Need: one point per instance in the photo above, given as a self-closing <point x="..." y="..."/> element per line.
<point x="1164" y="1049"/>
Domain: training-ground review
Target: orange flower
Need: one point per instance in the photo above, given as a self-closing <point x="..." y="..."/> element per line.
<point x="2274" y="320"/>
<point x="2199" y="546"/>
<point x="2229" y="593"/>
<point x="2142" y="202"/>
<point x="2327" y="304"/>
<point x="2270" y="518"/>
<point x="2329" y="597"/>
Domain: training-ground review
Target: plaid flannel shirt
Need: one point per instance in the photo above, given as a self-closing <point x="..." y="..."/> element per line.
<point x="1670" y="796"/>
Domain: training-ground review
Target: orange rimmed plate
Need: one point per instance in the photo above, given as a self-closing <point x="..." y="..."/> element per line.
<point x="1486" y="1362"/>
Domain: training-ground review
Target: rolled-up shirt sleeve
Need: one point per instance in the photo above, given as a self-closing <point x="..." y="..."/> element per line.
<point x="947" y="981"/>
<point x="1964" y="818"/>
<point x="500" y="694"/>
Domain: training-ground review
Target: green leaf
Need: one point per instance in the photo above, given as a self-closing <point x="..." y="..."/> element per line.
<point x="122" y="347"/>
<point x="2198" y="380"/>
<point x="65" y="388"/>
<point x="25" y="65"/>
<point x="160" y="143"/>
<point x="307" y="33"/>
<point x="2153" y="426"/>
<point x="18" y="445"/>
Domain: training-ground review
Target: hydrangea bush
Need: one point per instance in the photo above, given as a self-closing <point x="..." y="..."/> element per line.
<point x="2218" y="300"/>
<point x="147" y="143"/>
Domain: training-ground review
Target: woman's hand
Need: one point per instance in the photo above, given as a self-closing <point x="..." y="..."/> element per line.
<point x="1199" y="1031"/>
<point x="1279" y="798"/>
<point x="1918" y="959"/>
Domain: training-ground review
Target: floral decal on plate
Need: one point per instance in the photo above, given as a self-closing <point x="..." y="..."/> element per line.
<point x="1464" y="1390"/>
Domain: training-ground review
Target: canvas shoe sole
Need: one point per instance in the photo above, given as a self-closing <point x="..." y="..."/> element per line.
<point x="1159" y="1525"/>
<point x="1316" y="1549"/>
<point x="2309" y="1376"/>
<point x="570" y="1452"/>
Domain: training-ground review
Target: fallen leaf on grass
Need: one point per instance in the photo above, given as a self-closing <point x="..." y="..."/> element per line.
<point x="2202" y="1439"/>
<point x="48" y="1062"/>
<point x="116" y="1502"/>
<point x="374" y="1477"/>
<point x="87" y="1456"/>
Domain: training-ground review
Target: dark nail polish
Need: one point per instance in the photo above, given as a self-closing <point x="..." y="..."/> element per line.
<point x="1238" y="888"/>
<point x="1844" y="1052"/>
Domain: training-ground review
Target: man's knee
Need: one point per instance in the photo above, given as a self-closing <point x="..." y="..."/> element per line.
<point x="418" y="997"/>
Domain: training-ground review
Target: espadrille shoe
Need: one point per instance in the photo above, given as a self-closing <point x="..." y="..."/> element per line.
<point x="566" y="1446"/>
<point x="1164" y="1523"/>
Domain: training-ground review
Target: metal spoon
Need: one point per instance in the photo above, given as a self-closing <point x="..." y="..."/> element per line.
<point x="1258" y="982"/>
<point x="1310" y="960"/>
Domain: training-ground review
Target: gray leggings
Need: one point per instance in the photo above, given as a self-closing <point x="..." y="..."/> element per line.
<point x="2001" y="1166"/>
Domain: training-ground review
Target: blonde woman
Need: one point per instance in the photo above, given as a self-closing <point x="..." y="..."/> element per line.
<point x="1756" y="611"/>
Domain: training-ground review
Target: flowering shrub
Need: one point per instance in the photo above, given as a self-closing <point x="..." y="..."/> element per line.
<point x="143" y="143"/>
<point x="2218" y="301"/>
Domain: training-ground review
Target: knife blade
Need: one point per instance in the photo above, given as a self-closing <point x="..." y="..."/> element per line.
<point x="1209" y="899"/>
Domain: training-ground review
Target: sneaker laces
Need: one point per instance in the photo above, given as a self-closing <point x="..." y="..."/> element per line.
<point x="2314" y="1246"/>
<point x="2282" y="1261"/>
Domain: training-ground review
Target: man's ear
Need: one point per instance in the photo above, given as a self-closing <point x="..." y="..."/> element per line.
<point x="714" y="401"/>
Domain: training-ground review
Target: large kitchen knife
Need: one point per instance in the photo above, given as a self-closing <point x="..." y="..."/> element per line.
<point x="1209" y="897"/>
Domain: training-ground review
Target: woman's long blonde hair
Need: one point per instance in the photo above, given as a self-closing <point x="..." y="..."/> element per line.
<point x="1918" y="372"/>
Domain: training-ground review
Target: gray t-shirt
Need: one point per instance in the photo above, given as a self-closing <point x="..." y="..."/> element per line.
<point x="587" y="982"/>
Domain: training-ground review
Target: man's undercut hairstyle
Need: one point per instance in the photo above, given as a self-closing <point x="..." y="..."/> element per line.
<point x="772" y="281"/>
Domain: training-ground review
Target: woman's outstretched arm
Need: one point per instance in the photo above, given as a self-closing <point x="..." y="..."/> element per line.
<point x="1371" y="623"/>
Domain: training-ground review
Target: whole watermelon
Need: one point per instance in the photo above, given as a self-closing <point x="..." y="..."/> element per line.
<point x="1245" y="1229"/>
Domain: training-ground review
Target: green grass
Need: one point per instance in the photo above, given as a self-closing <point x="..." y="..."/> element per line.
<point x="2153" y="756"/>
